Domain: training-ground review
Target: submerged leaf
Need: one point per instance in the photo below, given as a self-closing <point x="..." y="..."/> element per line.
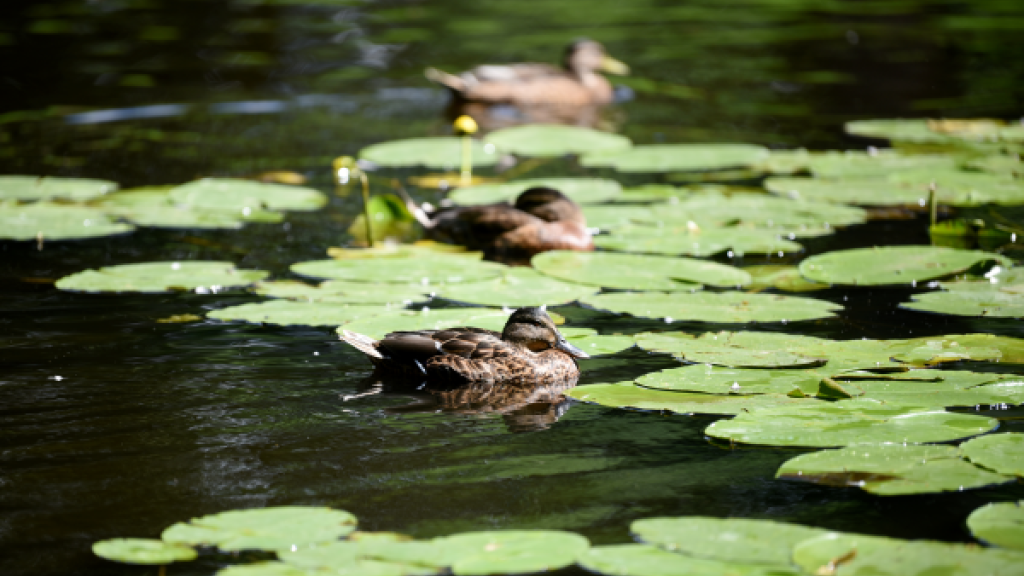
<point x="516" y="287"/>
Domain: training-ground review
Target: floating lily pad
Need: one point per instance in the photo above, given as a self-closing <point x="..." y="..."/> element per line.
<point x="425" y="270"/>
<point x="427" y="319"/>
<point x="791" y="218"/>
<point x="384" y="556"/>
<point x="858" y="191"/>
<point x="678" y="157"/>
<point x="30" y="188"/>
<point x="1003" y="453"/>
<point x="202" y="276"/>
<point x="878" y="164"/>
<point x="888" y="265"/>
<point x="289" y="313"/>
<point x="722" y="307"/>
<point x="716" y="380"/>
<point x="517" y="287"/>
<point x="824" y="425"/>
<point x="965" y="188"/>
<point x="154" y="207"/>
<point x="415" y="250"/>
<point x="645" y="560"/>
<point x="611" y="217"/>
<point x="579" y="190"/>
<point x="999" y="164"/>
<point x="626" y="395"/>
<point x="992" y="303"/>
<point x="142" y="551"/>
<point x="703" y="242"/>
<point x="276" y="528"/>
<point x="738" y="540"/>
<point x="231" y="194"/>
<point x="785" y="162"/>
<point x="555" y="140"/>
<point x="278" y="569"/>
<point x="595" y="345"/>
<point x="999" y="524"/>
<point x="923" y="130"/>
<point x="929" y="351"/>
<point x="56" y="222"/>
<point x="781" y="277"/>
<point x="344" y="292"/>
<point x="440" y="152"/>
<point x="511" y="551"/>
<point x="889" y="470"/>
<point x="637" y="272"/>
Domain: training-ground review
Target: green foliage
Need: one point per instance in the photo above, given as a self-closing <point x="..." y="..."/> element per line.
<point x="198" y="275"/>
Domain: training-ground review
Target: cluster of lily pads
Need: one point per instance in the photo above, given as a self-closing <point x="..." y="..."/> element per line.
<point x="311" y="540"/>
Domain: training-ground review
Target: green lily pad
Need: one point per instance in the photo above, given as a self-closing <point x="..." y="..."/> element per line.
<point x="417" y="249"/>
<point x="858" y="191"/>
<point x="738" y="540"/>
<point x="999" y="164"/>
<point x="637" y="272"/>
<point x="704" y="242"/>
<point x="202" y="276"/>
<point x="878" y="164"/>
<point x="142" y="551"/>
<point x="939" y="350"/>
<point x="708" y="351"/>
<point x="626" y="395"/>
<point x="240" y="195"/>
<point x="785" y="162"/>
<point x="439" y="152"/>
<point x="31" y="188"/>
<point x="289" y="313"/>
<point x="280" y="569"/>
<point x="154" y="207"/>
<point x="612" y="217"/>
<point x="425" y="270"/>
<point x="992" y="303"/>
<point x="965" y="188"/>
<point x="722" y="307"/>
<point x="344" y="292"/>
<point x="717" y="380"/>
<point x="579" y="190"/>
<point x="999" y="524"/>
<point x="825" y="425"/>
<point x="555" y="140"/>
<point x="427" y="319"/>
<point x="375" y="556"/>
<point x="888" y="265"/>
<point x="517" y="287"/>
<point x="677" y="157"/>
<point x="1003" y="453"/>
<point x="276" y="528"/>
<point x="56" y="222"/>
<point x="781" y="277"/>
<point x="890" y="470"/>
<point x="645" y="560"/>
<point x="510" y="551"/>
<point x="596" y="345"/>
<point x="927" y="131"/>
<point x="789" y="218"/>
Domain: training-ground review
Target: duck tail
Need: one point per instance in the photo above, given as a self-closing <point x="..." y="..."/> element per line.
<point x="361" y="342"/>
<point x="444" y="78"/>
<point x="415" y="209"/>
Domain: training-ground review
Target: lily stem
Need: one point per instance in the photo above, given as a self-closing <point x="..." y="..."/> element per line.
<point x="933" y="203"/>
<point x="467" y="160"/>
<point x="366" y="208"/>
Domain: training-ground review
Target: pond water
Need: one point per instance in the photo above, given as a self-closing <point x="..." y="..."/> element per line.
<point x="116" y="425"/>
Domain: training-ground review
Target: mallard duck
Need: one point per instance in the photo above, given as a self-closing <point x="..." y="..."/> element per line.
<point x="529" y="351"/>
<point x="577" y="84"/>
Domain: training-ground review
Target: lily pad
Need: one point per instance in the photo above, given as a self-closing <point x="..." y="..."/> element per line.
<point x="510" y="551"/>
<point x="142" y="551"/>
<point x="555" y="140"/>
<point x="626" y="395"/>
<point x="280" y="569"/>
<point x="382" y="556"/>
<point x="56" y="222"/>
<point x="928" y="131"/>
<point x="439" y="152"/>
<point x="289" y="313"/>
<point x="710" y="351"/>
<point x="702" y="242"/>
<point x="1003" y="453"/>
<point x="276" y="528"/>
<point x="965" y="188"/>
<point x="31" y="188"/>
<point x="877" y="164"/>
<point x="890" y="470"/>
<point x="781" y="277"/>
<point x="825" y="425"/>
<point x="722" y="307"/>
<point x="999" y="164"/>
<point x="858" y="191"/>
<point x="645" y="560"/>
<point x="677" y="157"/>
<point x="232" y="194"/>
<point x="517" y="287"/>
<point x="579" y="190"/>
<point x="999" y="524"/>
<point x="425" y="270"/>
<point x="992" y="303"/>
<point x="344" y="292"/>
<point x="427" y="319"/>
<point x="637" y="272"/>
<point x="414" y="250"/>
<point x="716" y="380"/>
<point x="154" y="207"/>
<point x="201" y="276"/>
<point x="596" y="345"/>
<point x="888" y="265"/>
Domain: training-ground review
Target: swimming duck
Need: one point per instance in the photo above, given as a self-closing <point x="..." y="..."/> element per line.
<point x="576" y="84"/>
<point x="541" y="219"/>
<point x="529" y="351"/>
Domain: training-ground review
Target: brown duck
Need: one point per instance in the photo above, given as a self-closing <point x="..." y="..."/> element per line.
<point x="529" y="351"/>
<point x="576" y="84"/>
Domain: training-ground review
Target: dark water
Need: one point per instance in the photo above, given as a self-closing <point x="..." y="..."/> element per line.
<point x="114" y="425"/>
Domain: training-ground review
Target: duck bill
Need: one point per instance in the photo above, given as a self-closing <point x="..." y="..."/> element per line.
<point x="613" y="66"/>
<point x="569" y="349"/>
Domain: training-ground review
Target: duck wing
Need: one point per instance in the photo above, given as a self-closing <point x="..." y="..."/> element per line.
<point x="478" y="227"/>
<point x="521" y="72"/>
<point x="465" y="342"/>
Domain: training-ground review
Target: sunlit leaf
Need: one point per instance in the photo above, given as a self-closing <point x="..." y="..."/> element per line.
<point x="722" y="307"/>
<point x="886" y="265"/>
<point x="677" y="157"/>
<point x="440" y="152"/>
<point x="201" y="276"/>
<point x="999" y="524"/>
<point x="142" y="551"/>
<point x="555" y="140"/>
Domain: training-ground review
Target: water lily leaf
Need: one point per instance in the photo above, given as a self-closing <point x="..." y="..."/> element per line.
<point x="645" y="560"/>
<point x="708" y="351"/>
<point x="56" y="222"/>
<point x="282" y="569"/>
<point x="1003" y="453"/>
<point x="153" y="207"/>
<point x="510" y="551"/>
<point x="383" y="556"/>
<point x="717" y="380"/>
<point x="579" y="190"/>
<point x="999" y="524"/>
<point x="859" y="191"/>
<point x="781" y="277"/>
<point x="202" y="276"/>
<point x="414" y="250"/>
<point x="927" y="131"/>
<point x="888" y="265"/>
<point x="738" y="540"/>
<point x="239" y="195"/>
<point x="596" y="345"/>
<point x="889" y="470"/>
<point x="964" y="188"/>
<point x="722" y="307"/>
<point x="555" y="140"/>
<point x="701" y="242"/>
<point x="626" y="395"/>
<point x="936" y="351"/>
<point x="825" y="425"/>
<point x="275" y="528"/>
<point x="517" y="287"/>
<point x="677" y="157"/>
<point x="999" y="164"/>
<point x="611" y="217"/>
<point x="654" y="193"/>
<point x="427" y="319"/>
<point x="439" y="152"/>
<point x="785" y="162"/>
<point x="142" y="551"/>
<point x="992" y="303"/>
<point x="344" y="292"/>
<point x="289" y="313"/>
<point x="790" y="218"/>
<point x="30" y="188"/>
<point x="637" y="272"/>
<point x="879" y="164"/>
<point x="426" y="270"/>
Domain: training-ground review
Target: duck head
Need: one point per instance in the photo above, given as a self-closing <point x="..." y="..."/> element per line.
<point x="533" y="328"/>
<point x="550" y="205"/>
<point x="587" y="56"/>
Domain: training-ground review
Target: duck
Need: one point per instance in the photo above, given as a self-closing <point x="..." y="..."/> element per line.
<point x="541" y="219"/>
<point x="577" y="83"/>
<point x="529" y="351"/>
